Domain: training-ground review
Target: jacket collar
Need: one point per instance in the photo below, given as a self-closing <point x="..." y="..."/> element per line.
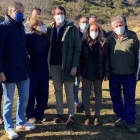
<point x="67" y="23"/>
<point x="126" y="35"/>
<point x="9" y="19"/>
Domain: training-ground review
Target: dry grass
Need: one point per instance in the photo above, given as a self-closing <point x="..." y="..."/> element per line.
<point x="79" y="131"/>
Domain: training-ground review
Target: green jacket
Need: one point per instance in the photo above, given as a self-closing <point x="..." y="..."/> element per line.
<point x="124" y="55"/>
<point x="71" y="49"/>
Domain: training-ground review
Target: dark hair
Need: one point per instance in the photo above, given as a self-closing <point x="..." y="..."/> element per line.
<point x="84" y="17"/>
<point x="36" y="8"/>
<point x="93" y="16"/>
<point x="58" y="7"/>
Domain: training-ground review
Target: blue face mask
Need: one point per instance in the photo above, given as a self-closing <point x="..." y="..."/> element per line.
<point x="19" y="17"/>
<point x="84" y="26"/>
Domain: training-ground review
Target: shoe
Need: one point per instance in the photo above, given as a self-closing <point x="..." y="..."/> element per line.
<point x="11" y="134"/>
<point x="76" y="108"/>
<point x="70" y="121"/>
<point x="131" y="128"/>
<point x="42" y="118"/>
<point x="82" y="106"/>
<point x="57" y="119"/>
<point x="32" y="120"/>
<point x="87" y="121"/>
<point x="96" y="121"/>
<point x="92" y="98"/>
<point x="26" y="126"/>
<point x="119" y="122"/>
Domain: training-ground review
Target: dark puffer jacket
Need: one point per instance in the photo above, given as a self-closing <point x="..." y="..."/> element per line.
<point x="103" y="60"/>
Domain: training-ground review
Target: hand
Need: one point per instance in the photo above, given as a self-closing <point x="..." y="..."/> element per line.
<point x="2" y="77"/>
<point x="73" y="71"/>
<point x="105" y="78"/>
<point x="80" y="78"/>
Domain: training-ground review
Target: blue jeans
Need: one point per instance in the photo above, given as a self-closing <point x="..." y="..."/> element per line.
<point x="75" y="91"/>
<point x="39" y="85"/>
<point x="22" y="101"/>
<point x="124" y="109"/>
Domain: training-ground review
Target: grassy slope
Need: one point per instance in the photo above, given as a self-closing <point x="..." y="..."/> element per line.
<point x="79" y="131"/>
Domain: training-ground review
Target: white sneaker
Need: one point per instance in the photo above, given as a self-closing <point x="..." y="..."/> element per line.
<point x="11" y="134"/>
<point x="25" y="126"/>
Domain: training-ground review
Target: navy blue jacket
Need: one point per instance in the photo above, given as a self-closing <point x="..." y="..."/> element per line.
<point x="14" y="60"/>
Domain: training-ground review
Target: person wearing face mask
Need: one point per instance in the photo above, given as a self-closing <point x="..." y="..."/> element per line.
<point x="63" y="60"/>
<point x="126" y="27"/>
<point x="83" y="25"/>
<point x="94" y="68"/>
<point x="37" y="49"/>
<point x="14" y="69"/>
<point x="35" y="11"/>
<point x="124" y="60"/>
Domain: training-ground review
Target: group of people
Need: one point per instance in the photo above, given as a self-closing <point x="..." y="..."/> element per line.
<point x="31" y="53"/>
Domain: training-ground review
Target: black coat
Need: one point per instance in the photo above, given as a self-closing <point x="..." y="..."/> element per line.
<point x="13" y="57"/>
<point x="103" y="60"/>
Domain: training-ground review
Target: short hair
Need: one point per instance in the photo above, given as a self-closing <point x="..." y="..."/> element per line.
<point x="84" y="17"/>
<point x="123" y="17"/>
<point x="116" y="20"/>
<point x="34" y="21"/>
<point x="14" y="5"/>
<point x="36" y="8"/>
<point x="93" y="16"/>
<point x="58" y="7"/>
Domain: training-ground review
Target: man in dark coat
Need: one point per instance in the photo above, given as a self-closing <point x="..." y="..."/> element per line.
<point x="14" y="68"/>
<point x="63" y="60"/>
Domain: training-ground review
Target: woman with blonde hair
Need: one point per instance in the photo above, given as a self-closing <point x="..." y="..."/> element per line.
<point x="94" y="68"/>
<point x="37" y="49"/>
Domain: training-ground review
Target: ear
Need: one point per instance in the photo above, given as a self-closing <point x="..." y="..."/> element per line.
<point x="112" y="28"/>
<point x="10" y="12"/>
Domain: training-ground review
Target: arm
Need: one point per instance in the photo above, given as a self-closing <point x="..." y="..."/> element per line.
<point x="137" y="57"/>
<point x="2" y="41"/>
<point x="77" y="44"/>
<point x="107" y="63"/>
<point x="76" y="51"/>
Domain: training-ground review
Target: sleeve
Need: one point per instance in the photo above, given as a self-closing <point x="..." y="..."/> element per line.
<point x="2" y="41"/>
<point x="137" y="56"/>
<point x="77" y="44"/>
<point x="107" y="62"/>
<point x="28" y="45"/>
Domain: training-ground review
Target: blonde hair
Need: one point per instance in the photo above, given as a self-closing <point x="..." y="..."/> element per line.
<point x="34" y="21"/>
<point x="13" y="6"/>
<point x="100" y="35"/>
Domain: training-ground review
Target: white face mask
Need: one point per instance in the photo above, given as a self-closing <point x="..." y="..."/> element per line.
<point x="93" y="35"/>
<point x="42" y="29"/>
<point x="59" y="19"/>
<point x="119" y="30"/>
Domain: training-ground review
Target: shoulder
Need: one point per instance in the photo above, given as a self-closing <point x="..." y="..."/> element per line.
<point x="109" y="38"/>
<point x="131" y="35"/>
<point x="29" y="35"/>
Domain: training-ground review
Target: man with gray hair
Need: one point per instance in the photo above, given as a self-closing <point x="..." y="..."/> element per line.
<point x="124" y="60"/>
<point x="126" y="27"/>
<point x="14" y="69"/>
